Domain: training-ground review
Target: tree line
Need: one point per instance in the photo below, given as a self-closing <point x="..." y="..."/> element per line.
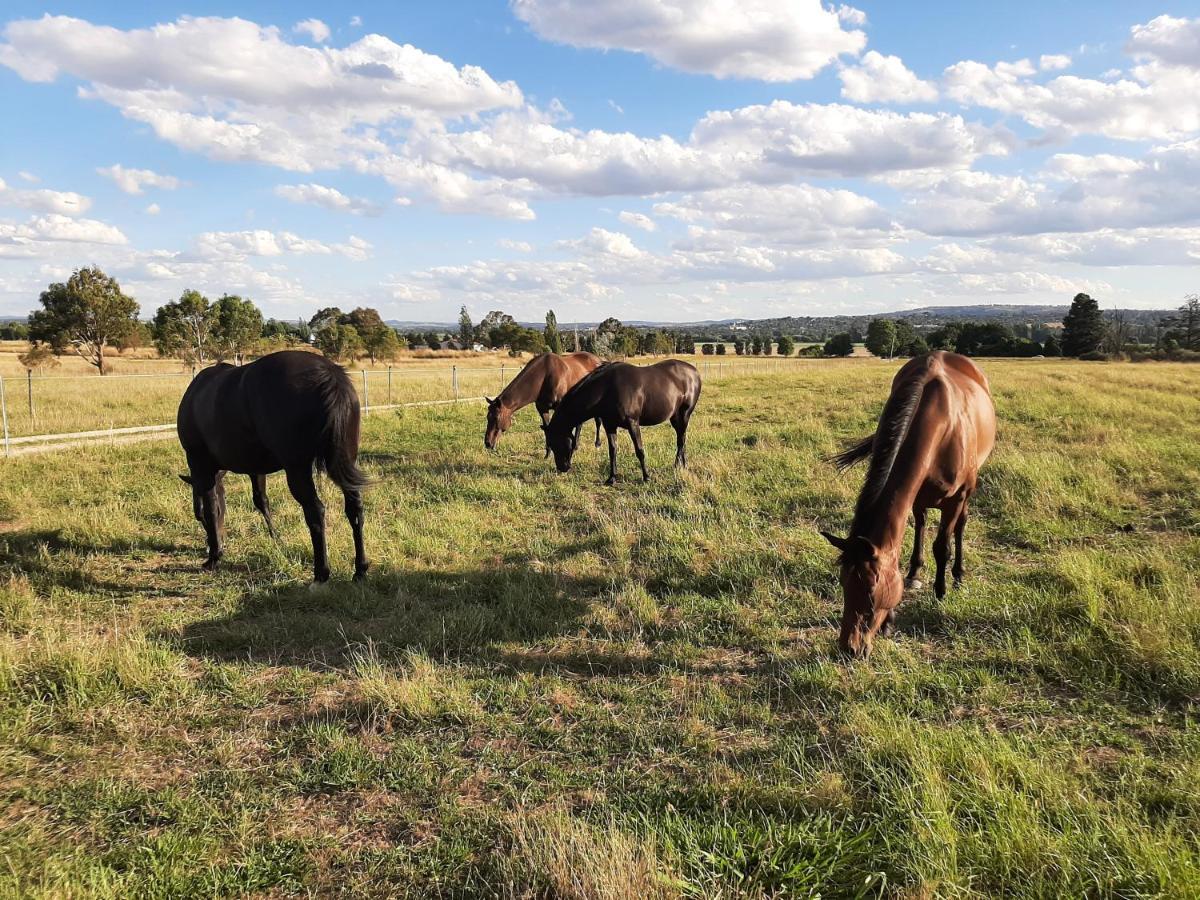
<point x="89" y="313"/>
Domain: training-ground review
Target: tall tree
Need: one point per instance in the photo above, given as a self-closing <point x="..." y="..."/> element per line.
<point x="839" y="345"/>
<point x="1184" y="329"/>
<point x="324" y="316"/>
<point x="466" y="330"/>
<point x="183" y="327"/>
<point x="1083" y="327"/>
<point x="489" y="324"/>
<point x="341" y="343"/>
<point x="551" y="335"/>
<point x="371" y="328"/>
<point x="882" y="338"/>
<point x="88" y="313"/>
<point x="786" y="345"/>
<point x="237" y="328"/>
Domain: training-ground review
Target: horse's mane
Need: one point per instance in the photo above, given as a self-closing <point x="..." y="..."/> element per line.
<point x="884" y="445"/>
<point x="586" y="380"/>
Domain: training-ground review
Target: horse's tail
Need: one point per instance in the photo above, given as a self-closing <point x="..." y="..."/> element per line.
<point x="854" y="453"/>
<point x="337" y="455"/>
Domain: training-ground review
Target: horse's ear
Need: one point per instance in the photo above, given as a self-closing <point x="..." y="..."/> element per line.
<point x="186" y="479"/>
<point x="489" y="400"/>
<point x="862" y="549"/>
<point x="839" y="543"/>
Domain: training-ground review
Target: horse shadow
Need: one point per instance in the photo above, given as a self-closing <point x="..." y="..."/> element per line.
<point x="465" y="615"/>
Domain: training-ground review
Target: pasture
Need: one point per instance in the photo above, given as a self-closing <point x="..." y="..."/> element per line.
<point x="549" y="688"/>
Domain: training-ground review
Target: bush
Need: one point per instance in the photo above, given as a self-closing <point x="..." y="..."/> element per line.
<point x="1094" y="356"/>
<point x="720" y="349"/>
<point x="707" y="349"/>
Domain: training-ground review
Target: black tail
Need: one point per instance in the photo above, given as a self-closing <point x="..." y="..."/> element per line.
<point x="853" y="453"/>
<point x="338" y="453"/>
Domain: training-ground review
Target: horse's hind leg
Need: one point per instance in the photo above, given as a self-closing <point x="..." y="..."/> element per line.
<point x="354" y="513"/>
<point x="635" y="432"/>
<point x="680" y="423"/>
<point x="304" y="489"/>
<point x="209" y="503"/>
<point x="941" y="544"/>
<point x="258" y="484"/>
<point x="959" y="527"/>
<point x="597" y="433"/>
<point x="612" y="455"/>
<point x="912" y="582"/>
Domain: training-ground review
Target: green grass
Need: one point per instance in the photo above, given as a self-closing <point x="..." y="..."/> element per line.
<point x="548" y="688"/>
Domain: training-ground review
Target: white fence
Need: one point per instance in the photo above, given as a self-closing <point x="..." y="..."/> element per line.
<point x="51" y="411"/>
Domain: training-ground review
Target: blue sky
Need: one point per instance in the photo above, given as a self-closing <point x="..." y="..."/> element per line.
<point x="659" y="160"/>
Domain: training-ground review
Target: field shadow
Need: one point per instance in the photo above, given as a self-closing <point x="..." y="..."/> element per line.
<point x="454" y="615"/>
<point x="50" y="559"/>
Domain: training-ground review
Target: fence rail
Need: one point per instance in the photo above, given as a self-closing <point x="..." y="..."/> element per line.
<point x="60" y="410"/>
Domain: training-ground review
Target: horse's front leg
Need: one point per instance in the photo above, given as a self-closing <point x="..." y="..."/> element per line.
<point x="912" y="582"/>
<point x="612" y="454"/>
<point x="546" y="415"/>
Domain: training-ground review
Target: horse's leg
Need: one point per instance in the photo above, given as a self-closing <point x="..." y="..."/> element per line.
<point x="597" y="433"/>
<point x="635" y="432"/>
<point x="220" y="507"/>
<point x="912" y="582"/>
<point x="959" y="527"/>
<point x="304" y="489"/>
<point x="258" y="485"/>
<point x="941" y="544"/>
<point x="354" y="513"/>
<point x="546" y="415"/>
<point x="612" y="455"/>
<point x="680" y="423"/>
<point x="204" y="496"/>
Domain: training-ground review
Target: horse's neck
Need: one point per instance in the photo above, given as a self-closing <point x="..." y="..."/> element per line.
<point x="524" y="389"/>
<point x="884" y="522"/>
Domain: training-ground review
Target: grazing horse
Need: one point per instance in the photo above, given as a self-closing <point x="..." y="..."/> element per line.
<point x="543" y="382"/>
<point x="935" y="433"/>
<point x="621" y="395"/>
<point x="290" y="410"/>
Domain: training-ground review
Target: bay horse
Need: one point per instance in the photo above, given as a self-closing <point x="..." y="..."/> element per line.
<point x="936" y="431"/>
<point x="543" y="382"/>
<point x="290" y="410"/>
<point x="621" y="395"/>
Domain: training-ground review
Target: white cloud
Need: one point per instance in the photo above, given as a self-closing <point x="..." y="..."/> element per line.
<point x="638" y="220"/>
<point x="1167" y="39"/>
<point x="28" y="177"/>
<point x="240" y="245"/>
<point x="518" y="246"/>
<point x="330" y="198"/>
<point x="64" y="203"/>
<point x="770" y="40"/>
<point x="37" y="237"/>
<point x="608" y="243"/>
<point x="238" y="91"/>
<point x="355" y="21"/>
<point x="884" y="79"/>
<point x="153" y="209"/>
<point x="133" y="181"/>
<point x="1053" y="62"/>
<point x="317" y="30"/>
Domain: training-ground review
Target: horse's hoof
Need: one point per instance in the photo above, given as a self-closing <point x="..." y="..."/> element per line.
<point x="210" y="565"/>
<point x="610" y="482"/>
<point x="913" y="584"/>
<point x="360" y="574"/>
<point x="320" y="577"/>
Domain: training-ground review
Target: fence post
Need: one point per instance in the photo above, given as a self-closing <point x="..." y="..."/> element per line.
<point x="454" y="380"/>
<point x="29" y="389"/>
<point x="502" y="377"/>
<point x="389" y="385"/>
<point x="4" y="415"/>
<point x="366" y="393"/>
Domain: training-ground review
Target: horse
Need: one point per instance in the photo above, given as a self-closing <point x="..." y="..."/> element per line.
<point x="621" y="395"/>
<point x="543" y="382"/>
<point x="290" y="410"/>
<point x="936" y="431"/>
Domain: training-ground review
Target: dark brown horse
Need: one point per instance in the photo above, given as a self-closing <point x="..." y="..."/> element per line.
<point x="291" y="410"/>
<point x="621" y="395"/>
<point x="935" y="433"/>
<point x="543" y="382"/>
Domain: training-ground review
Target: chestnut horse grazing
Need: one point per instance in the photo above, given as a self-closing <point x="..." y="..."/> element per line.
<point x="543" y="382"/>
<point x="621" y="395"/>
<point x="936" y="430"/>
<point x="290" y="410"/>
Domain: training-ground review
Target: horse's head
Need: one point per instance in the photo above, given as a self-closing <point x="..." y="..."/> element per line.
<point x="562" y="444"/>
<point x="499" y="420"/>
<point x="871" y="588"/>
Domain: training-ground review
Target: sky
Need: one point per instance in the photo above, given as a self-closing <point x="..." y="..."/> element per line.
<point x="666" y="160"/>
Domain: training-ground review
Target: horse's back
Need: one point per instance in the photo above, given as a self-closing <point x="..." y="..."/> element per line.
<point x="958" y="402"/>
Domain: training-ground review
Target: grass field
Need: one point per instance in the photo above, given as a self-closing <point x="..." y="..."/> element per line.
<point x="548" y="688"/>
